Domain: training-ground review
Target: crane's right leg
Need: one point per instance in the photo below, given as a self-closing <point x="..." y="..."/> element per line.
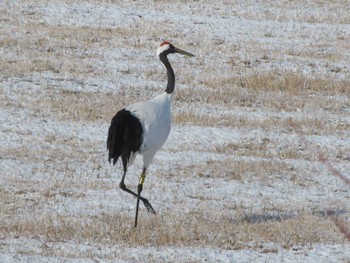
<point x="139" y="190"/>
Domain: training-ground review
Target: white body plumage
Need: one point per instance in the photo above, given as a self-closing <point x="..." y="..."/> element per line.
<point x="155" y="118"/>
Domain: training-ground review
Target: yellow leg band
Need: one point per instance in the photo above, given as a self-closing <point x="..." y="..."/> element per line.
<point x="142" y="179"/>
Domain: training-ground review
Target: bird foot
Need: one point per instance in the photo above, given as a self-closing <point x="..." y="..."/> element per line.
<point x="149" y="207"/>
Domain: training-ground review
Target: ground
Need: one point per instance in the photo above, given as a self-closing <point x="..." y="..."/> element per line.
<point x="256" y="167"/>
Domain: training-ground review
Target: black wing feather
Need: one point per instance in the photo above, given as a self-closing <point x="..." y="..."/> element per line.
<point x="124" y="136"/>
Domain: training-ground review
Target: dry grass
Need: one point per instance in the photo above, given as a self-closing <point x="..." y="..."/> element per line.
<point x="197" y="228"/>
<point x="293" y="83"/>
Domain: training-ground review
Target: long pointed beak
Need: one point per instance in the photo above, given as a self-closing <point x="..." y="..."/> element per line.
<point x="180" y="51"/>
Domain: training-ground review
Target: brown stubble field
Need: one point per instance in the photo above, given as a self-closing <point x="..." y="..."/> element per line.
<point x="260" y="128"/>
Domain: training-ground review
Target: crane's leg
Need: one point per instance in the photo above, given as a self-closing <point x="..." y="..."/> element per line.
<point x="144" y="200"/>
<point x="139" y="190"/>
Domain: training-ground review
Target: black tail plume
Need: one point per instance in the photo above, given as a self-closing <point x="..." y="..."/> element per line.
<point x="124" y="136"/>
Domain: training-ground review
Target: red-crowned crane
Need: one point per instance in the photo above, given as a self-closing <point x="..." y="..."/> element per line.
<point x="143" y="128"/>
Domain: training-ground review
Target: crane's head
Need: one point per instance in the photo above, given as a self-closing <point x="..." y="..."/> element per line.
<point x="167" y="48"/>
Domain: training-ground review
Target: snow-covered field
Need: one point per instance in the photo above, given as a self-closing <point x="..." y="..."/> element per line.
<point x="256" y="167"/>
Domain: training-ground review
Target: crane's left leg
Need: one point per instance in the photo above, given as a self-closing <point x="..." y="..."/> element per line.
<point x="144" y="200"/>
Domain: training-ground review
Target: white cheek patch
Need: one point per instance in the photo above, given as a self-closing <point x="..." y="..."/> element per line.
<point x="161" y="49"/>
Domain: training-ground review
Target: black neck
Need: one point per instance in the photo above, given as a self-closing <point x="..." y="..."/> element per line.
<point x="171" y="76"/>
